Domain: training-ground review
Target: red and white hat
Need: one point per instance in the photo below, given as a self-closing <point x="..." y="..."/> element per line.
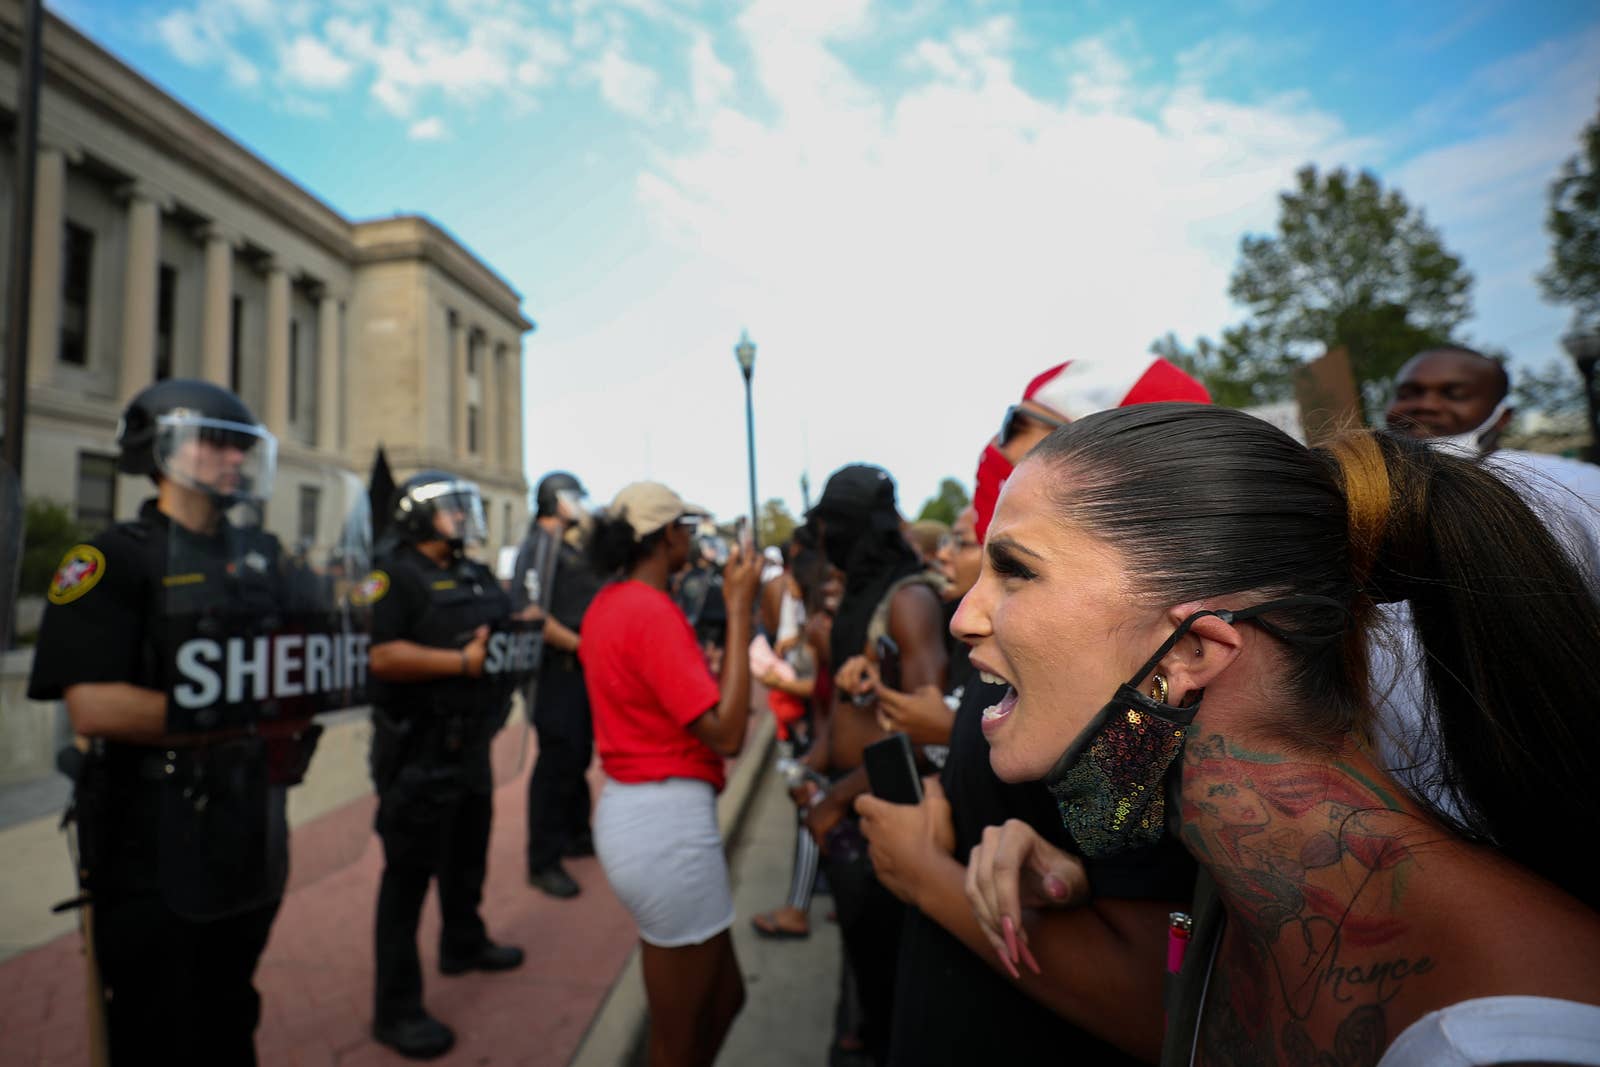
<point x="1082" y="387"/>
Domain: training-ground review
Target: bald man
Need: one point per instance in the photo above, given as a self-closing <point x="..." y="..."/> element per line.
<point x="1459" y="400"/>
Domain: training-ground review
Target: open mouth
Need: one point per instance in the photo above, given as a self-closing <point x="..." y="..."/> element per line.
<point x="995" y="714"/>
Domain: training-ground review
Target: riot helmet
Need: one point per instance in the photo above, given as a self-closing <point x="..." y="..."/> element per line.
<point x="436" y="506"/>
<point x="198" y="435"/>
<point x="560" y="494"/>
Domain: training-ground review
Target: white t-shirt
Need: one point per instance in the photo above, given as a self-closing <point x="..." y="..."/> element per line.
<point x="1493" y="1030"/>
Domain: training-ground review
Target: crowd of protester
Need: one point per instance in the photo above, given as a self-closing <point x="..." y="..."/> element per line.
<point x="1232" y="749"/>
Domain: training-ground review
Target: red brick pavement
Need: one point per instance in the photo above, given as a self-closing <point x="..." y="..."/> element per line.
<point x="316" y="975"/>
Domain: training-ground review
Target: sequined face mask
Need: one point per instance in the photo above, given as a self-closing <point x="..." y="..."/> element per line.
<point x="1114" y="785"/>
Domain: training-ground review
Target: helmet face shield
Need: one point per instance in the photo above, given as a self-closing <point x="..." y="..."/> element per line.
<point x="570" y="504"/>
<point x="232" y="461"/>
<point x="457" y="510"/>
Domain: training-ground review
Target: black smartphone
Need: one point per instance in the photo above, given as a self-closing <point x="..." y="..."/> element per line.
<point x="892" y="770"/>
<point x="889" y="661"/>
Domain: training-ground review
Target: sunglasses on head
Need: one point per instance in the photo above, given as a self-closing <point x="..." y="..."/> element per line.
<point x="1016" y="414"/>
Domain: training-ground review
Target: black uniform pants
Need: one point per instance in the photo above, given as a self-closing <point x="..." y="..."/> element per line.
<point x="427" y="832"/>
<point x="870" y="921"/>
<point x="558" y="789"/>
<point x="179" y="992"/>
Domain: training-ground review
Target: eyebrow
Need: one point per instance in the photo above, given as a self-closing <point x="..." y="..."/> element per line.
<point x="1009" y="544"/>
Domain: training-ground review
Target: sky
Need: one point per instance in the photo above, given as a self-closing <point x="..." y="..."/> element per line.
<point x="912" y="207"/>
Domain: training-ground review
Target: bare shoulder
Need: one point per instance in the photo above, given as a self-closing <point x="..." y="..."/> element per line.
<point x="914" y="607"/>
<point x="1505" y="930"/>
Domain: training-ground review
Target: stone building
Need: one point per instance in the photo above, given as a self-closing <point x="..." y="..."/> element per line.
<point x="164" y="248"/>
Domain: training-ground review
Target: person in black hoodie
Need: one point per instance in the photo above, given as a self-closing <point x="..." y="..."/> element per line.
<point x="886" y="589"/>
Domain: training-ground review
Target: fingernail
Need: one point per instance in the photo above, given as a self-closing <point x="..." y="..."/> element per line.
<point x="1055" y="886"/>
<point x="1027" y="958"/>
<point x="1011" y="938"/>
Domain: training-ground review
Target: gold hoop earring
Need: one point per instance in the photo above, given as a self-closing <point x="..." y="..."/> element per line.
<point x="1158" y="689"/>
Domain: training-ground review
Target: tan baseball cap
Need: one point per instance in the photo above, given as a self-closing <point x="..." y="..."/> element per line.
<point x="648" y="506"/>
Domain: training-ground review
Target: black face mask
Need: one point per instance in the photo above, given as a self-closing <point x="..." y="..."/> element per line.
<point x="1114" y="785"/>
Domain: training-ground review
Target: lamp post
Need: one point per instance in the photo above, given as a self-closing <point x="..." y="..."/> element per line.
<point x="745" y="351"/>
<point x="1584" y="348"/>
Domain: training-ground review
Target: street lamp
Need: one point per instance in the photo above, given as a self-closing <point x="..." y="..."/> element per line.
<point x="1584" y="348"/>
<point x="745" y="351"/>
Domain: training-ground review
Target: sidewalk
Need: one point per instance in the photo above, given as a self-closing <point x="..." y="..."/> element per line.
<point x="315" y="977"/>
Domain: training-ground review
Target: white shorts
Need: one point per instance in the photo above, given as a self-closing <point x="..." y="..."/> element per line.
<point x="662" y="853"/>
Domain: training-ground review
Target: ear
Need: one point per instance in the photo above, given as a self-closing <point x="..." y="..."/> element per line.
<point x="1207" y="649"/>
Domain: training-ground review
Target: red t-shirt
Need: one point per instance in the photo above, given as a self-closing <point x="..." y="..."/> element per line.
<point x="647" y="682"/>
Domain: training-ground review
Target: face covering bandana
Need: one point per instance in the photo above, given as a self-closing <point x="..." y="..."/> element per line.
<point x="1468" y="445"/>
<point x="1112" y="784"/>
<point x="993" y="470"/>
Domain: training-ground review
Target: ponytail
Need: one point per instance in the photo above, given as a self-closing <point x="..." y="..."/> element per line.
<point x="1510" y="631"/>
<point x="613" y="549"/>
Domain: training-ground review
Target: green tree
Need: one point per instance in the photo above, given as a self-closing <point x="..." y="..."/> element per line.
<point x="1351" y="264"/>
<point x="1233" y="370"/>
<point x="777" y="525"/>
<point x="48" y="531"/>
<point x="951" y="500"/>
<point x="1573" y="276"/>
<point x="1554" y="392"/>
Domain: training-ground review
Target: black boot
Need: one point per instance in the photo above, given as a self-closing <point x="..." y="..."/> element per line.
<point x="418" y="1037"/>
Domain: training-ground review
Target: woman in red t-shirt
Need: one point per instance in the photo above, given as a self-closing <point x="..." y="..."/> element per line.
<point x="663" y="724"/>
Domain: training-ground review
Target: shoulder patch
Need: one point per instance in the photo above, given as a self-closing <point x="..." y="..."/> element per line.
<point x="370" y="590"/>
<point x="80" y="571"/>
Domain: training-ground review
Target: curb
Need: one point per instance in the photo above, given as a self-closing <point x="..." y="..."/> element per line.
<point x="616" y="1033"/>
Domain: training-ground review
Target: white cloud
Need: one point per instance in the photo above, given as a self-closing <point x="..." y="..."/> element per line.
<point x="311" y="63"/>
<point x="428" y="129"/>
<point x="915" y="260"/>
<point x="627" y="86"/>
<point x="710" y="80"/>
<point x="409" y="51"/>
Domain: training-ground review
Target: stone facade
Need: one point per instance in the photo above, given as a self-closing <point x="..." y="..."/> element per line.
<point x="160" y="244"/>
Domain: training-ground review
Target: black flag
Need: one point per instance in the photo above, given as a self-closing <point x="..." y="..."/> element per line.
<point x="380" y="493"/>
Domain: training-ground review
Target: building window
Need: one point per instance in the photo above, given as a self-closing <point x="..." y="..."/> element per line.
<point x="235" y="332"/>
<point x="97" y="490"/>
<point x="77" y="262"/>
<point x="294" y="370"/>
<point x="310" y="503"/>
<point x="166" y="305"/>
<point x="472" y="354"/>
<point x="511" y="537"/>
<point x="472" y="429"/>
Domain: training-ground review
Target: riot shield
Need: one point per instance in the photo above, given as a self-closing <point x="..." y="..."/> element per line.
<point x="266" y="636"/>
<point x="532" y="581"/>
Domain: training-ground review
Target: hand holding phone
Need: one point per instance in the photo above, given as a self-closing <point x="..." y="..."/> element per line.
<point x="892" y="770"/>
<point x="888" y="662"/>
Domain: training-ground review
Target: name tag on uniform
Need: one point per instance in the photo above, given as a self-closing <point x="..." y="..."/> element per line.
<point x="183" y="579"/>
<point x="445" y="583"/>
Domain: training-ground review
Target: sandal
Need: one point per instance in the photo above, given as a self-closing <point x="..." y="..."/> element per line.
<point x="766" y="925"/>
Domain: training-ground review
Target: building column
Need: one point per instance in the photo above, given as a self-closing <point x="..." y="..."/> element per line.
<point x="511" y="388"/>
<point x="330" y="402"/>
<point x="44" y="303"/>
<point x="458" y="391"/>
<point x="489" y="394"/>
<point x="140" y="289"/>
<point x="276" y="406"/>
<point x="216" y="318"/>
